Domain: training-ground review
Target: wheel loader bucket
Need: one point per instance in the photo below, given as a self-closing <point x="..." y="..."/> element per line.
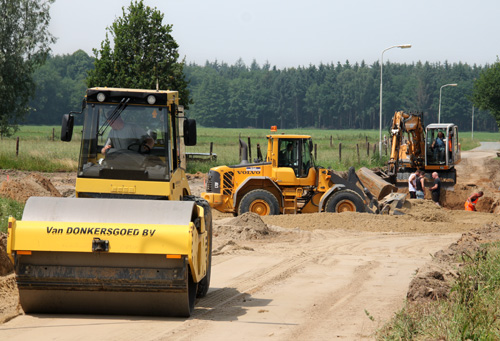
<point x="108" y="256"/>
<point x="375" y="184"/>
<point x="392" y="203"/>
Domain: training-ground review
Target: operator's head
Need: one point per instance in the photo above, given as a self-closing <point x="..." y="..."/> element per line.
<point x="115" y="122"/>
<point x="441" y="134"/>
<point x="480" y="193"/>
<point x="289" y="146"/>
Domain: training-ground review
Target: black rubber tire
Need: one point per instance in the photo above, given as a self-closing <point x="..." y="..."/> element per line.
<point x="204" y="284"/>
<point x="345" y="201"/>
<point x="259" y="201"/>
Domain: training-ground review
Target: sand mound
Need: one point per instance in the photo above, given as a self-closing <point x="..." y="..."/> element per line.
<point x="426" y="210"/>
<point x="246" y="226"/>
<point x="6" y="266"/>
<point x="32" y="185"/>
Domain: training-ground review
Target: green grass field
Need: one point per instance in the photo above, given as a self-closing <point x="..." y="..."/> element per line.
<point x="40" y="149"/>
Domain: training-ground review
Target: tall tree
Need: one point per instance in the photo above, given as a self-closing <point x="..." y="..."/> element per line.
<point x="24" y="45"/>
<point x="486" y="92"/>
<point x="143" y="53"/>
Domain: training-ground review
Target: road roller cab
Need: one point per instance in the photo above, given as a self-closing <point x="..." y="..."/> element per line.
<point x="133" y="240"/>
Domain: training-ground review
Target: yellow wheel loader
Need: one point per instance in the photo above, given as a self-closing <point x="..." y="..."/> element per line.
<point x="288" y="181"/>
<point x="133" y="240"/>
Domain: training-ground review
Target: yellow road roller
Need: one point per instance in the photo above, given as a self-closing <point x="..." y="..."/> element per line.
<point x="133" y="240"/>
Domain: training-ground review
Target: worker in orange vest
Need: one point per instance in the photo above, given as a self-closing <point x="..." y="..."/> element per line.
<point x="470" y="204"/>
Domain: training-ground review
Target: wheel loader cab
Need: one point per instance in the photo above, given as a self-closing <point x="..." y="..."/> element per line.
<point x="292" y="152"/>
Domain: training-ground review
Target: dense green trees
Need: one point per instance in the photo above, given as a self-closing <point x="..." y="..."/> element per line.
<point x="60" y="87"/>
<point x="486" y="93"/>
<point x="143" y="54"/>
<point x="24" y="45"/>
<point x="341" y="96"/>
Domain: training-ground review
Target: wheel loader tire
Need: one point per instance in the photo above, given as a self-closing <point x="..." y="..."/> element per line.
<point x="345" y="201"/>
<point x="259" y="201"/>
<point x="204" y="284"/>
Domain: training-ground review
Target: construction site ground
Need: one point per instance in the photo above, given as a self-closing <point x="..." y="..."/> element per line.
<point x="303" y="277"/>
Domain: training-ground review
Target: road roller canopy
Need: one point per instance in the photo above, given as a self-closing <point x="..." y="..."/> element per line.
<point x="129" y="134"/>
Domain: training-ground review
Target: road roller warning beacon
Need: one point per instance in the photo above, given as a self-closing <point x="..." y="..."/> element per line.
<point x="133" y="241"/>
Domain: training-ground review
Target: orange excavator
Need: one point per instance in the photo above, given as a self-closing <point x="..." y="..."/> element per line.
<point x="433" y="149"/>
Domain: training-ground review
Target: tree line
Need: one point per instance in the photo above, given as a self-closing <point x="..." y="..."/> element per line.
<point x="341" y="96"/>
<point x="142" y="53"/>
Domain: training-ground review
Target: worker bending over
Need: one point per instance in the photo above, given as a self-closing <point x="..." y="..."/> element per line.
<point x="470" y="204"/>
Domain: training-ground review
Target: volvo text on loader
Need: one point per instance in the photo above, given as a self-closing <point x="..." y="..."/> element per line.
<point x="134" y="240"/>
<point x="288" y="181"/>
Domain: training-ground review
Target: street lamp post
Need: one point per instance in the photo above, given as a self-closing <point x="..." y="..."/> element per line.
<point x="472" y="129"/>
<point x="439" y="109"/>
<point x="404" y="46"/>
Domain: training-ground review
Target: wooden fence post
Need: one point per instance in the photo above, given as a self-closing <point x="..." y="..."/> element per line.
<point x="17" y="146"/>
<point x="315" y="151"/>
<point x="331" y="141"/>
<point x="211" y="150"/>
<point x="367" y="148"/>
<point x="259" y="152"/>
<point x="374" y="148"/>
<point x="340" y="151"/>
<point x="249" y="150"/>
<point x="357" y="148"/>
<point x="53" y="133"/>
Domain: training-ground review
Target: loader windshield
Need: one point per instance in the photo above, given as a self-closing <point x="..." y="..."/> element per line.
<point x="124" y="141"/>
<point x="297" y="154"/>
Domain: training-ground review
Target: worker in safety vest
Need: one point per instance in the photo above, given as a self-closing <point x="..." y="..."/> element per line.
<point x="470" y="204"/>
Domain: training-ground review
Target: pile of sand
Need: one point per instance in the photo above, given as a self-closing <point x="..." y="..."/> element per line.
<point x="6" y="266"/>
<point x="32" y="185"/>
<point x="246" y="226"/>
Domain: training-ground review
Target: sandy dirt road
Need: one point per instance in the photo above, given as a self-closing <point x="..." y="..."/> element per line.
<point x="307" y="285"/>
<point x="318" y="276"/>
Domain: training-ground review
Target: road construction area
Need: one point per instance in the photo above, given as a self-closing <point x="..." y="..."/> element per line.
<point x="311" y="276"/>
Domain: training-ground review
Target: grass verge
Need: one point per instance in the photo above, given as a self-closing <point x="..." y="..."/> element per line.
<point x="9" y="207"/>
<point x="470" y="313"/>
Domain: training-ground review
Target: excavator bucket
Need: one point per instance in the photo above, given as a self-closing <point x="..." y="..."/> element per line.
<point x="108" y="256"/>
<point x="375" y="184"/>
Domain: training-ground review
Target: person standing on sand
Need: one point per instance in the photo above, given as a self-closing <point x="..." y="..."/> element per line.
<point x="420" y="185"/>
<point x="412" y="183"/>
<point x="436" y="189"/>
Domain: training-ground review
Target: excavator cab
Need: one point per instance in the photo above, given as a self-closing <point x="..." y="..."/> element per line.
<point x="441" y="145"/>
<point x="442" y="150"/>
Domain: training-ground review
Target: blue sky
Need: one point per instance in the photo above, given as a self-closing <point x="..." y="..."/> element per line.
<point x="295" y="33"/>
